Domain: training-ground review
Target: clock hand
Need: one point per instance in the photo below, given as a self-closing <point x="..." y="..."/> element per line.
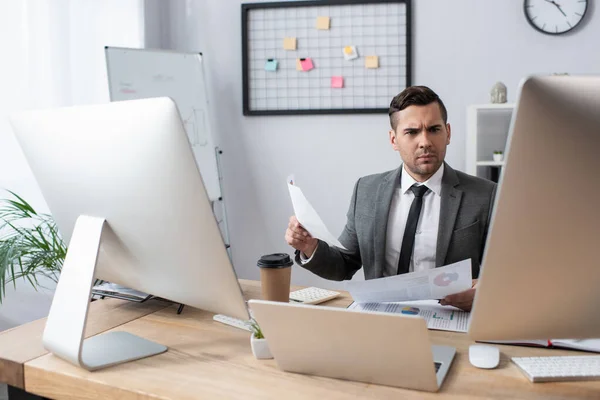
<point x="557" y="6"/>
<point x="560" y="9"/>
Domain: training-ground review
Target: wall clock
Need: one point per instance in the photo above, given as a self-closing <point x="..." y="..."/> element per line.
<point x="555" y="17"/>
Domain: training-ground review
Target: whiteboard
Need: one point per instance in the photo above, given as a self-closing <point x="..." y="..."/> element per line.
<point x="142" y="73"/>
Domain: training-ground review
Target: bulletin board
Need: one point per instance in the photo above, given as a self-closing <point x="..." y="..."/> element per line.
<point x="325" y="57"/>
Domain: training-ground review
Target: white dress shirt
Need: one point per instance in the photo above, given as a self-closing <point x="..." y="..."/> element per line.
<point x="424" y="249"/>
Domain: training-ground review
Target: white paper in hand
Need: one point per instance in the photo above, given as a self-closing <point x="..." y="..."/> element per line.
<point x="308" y="217"/>
<point x="430" y="284"/>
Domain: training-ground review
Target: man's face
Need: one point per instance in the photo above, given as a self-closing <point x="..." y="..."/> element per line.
<point x="421" y="137"/>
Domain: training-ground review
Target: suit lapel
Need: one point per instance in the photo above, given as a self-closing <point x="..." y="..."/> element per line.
<point x="383" y="200"/>
<point x="450" y="203"/>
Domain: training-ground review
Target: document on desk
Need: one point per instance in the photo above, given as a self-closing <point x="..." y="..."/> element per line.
<point x="308" y="217"/>
<point x="435" y="283"/>
<point x="445" y="318"/>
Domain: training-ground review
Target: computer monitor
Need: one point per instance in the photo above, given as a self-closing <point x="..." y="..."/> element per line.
<point x="121" y="182"/>
<point x="540" y="275"/>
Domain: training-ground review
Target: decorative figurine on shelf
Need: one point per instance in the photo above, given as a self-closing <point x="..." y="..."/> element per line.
<point x="498" y="93"/>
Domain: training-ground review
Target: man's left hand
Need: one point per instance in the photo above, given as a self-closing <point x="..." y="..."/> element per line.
<point x="462" y="300"/>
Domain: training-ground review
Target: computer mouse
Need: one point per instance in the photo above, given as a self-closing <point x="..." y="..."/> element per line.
<point x="484" y="356"/>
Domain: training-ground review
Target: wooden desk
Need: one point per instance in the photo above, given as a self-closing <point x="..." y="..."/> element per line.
<point x="207" y="359"/>
<point x="24" y="343"/>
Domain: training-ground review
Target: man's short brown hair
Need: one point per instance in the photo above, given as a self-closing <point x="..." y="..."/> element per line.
<point x="414" y="96"/>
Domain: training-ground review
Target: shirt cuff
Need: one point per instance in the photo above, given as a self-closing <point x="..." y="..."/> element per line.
<point x="304" y="260"/>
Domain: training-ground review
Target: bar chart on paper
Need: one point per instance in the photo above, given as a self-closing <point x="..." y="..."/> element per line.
<point x="438" y="317"/>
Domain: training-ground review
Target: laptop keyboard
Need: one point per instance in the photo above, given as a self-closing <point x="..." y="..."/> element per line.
<point x="437" y="366"/>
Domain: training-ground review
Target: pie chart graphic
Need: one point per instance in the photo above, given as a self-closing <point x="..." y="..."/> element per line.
<point x="445" y="279"/>
<point x="410" y="310"/>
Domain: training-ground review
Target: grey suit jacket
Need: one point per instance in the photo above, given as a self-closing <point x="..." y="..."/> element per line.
<point x="466" y="207"/>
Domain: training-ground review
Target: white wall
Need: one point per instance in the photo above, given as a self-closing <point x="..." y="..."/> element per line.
<point x="461" y="48"/>
<point x="52" y="55"/>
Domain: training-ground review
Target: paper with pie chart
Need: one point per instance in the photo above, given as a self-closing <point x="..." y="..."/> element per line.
<point x="431" y="284"/>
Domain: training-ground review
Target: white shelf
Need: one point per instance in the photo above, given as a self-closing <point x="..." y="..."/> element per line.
<point x="487" y="132"/>
<point x="490" y="163"/>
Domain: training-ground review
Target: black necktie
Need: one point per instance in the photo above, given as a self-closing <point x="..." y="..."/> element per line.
<point x="408" y="240"/>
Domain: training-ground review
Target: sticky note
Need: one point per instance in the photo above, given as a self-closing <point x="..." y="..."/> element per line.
<point x="289" y="43"/>
<point x="371" y="62"/>
<point x="323" y="23"/>
<point x="306" y="64"/>
<point x="271" y="65"/>
<point x="298" y="65"/>
<point x="337" y="81"/>
<point x="350" y="53"/>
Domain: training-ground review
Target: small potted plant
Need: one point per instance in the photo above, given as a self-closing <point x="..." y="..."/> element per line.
<point x="498" y="155"/>
<point x="260" y="347"/>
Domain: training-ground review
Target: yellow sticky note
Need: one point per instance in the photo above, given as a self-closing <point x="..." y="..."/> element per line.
<point x="289" y="43"/>
<point x="371" y="62"/>
<point x="298" y="65"/>
<point x="323" y="23"/>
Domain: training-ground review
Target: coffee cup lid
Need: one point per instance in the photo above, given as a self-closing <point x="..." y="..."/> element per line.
<point x="277" y="260"/>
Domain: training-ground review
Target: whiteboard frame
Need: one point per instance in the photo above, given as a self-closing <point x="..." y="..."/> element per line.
<point x="247" y="7"/>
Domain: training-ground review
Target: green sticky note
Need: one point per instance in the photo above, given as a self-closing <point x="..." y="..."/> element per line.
<point x="271" y="65"/>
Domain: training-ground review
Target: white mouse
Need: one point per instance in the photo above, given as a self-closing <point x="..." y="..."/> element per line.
<point x="484" y="356"/>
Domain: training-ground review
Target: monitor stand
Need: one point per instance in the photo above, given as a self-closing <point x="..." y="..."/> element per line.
<point x="65" y="326"/>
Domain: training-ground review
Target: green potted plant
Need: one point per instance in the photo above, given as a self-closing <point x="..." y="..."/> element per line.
<point x="30" y="245"/>
<point x="260" y="347"/>
<point x="498" y="155"/>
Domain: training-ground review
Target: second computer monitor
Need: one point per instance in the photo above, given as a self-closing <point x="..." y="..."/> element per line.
<point x="540" y="275"/>
<point x="123" y="186"/>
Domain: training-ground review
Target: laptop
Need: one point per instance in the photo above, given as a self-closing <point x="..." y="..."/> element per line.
<point x="373" y="347"/>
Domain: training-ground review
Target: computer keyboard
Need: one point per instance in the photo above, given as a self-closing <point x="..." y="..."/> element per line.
<point x="231" y="321"/>
<point x="559" y="368"/>
<point x="312" y="295"/>
<point x="309" y="295"/>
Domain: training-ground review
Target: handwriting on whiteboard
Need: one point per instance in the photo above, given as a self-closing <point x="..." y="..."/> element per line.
<point x="126" y="88"/>
<point x="195" y="127"/>
<point x="162" y="78"/>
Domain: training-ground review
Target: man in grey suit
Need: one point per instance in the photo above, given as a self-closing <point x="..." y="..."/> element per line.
<point x="420" y="216"/>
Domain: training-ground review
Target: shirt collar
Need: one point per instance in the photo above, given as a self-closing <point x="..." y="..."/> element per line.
<point x="434" y="183"/>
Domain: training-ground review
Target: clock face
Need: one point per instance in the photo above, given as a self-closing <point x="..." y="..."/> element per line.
<point x="555" y="16"/>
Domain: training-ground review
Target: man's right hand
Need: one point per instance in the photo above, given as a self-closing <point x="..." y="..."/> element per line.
<point x="299" y="238"/>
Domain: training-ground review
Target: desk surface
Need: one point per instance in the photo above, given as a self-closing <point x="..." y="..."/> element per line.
<point x="210" y="360"/>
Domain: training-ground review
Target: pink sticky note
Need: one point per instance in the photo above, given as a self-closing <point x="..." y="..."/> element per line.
<point x="306" y="64"/>
<point x="337" y="81"/>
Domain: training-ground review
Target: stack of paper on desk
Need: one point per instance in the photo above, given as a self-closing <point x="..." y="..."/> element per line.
<point x="445" y="318"/>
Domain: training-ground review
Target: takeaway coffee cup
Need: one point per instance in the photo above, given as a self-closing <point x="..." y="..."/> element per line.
<point x="275" y="275"/>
